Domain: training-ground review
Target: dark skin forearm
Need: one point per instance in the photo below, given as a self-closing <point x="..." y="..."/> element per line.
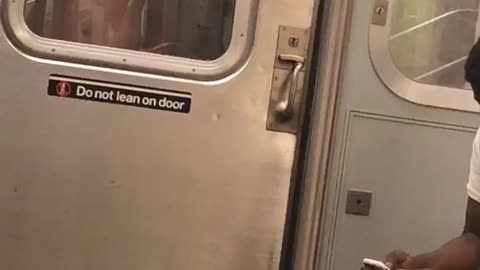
<point x="461" y="253"/>
<point x="472" y="218"/>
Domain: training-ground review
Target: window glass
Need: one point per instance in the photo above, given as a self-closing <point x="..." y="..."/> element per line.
<point x="196" y="29"/>
<point x="430" y="39"/>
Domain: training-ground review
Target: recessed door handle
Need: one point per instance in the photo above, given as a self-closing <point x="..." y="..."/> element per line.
<point x="286" y="107"/>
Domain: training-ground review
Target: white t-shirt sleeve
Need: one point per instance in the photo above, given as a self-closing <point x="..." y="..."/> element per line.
<point x="473" y="186"/>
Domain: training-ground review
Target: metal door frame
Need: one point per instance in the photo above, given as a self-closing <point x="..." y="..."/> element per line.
<point x="331" y="29"/>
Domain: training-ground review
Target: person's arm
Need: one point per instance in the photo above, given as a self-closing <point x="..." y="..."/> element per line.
<point x="123" y="23"/>
<point x="461" y="253"/>
<point x="113" y="23"/>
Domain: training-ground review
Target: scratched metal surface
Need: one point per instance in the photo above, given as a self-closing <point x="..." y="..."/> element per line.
<point x="97" y="186"/>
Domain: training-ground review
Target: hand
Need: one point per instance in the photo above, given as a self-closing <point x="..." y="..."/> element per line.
<point x="462" y="253"/>
<point x="402" y="260"/>
<point x="395" y="259"/>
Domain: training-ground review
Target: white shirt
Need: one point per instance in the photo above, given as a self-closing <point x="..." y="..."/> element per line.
<point x="473" y="186"/>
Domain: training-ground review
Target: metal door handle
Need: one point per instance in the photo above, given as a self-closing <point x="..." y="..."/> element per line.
<point x="286" y="107"/>
<point x="287" y="79"/>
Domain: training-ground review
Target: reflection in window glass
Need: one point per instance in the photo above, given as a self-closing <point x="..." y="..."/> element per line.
<point x="197" y="29"/>
<point x="430" y="39"/>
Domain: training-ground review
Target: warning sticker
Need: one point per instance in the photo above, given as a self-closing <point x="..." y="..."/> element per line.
<point x="123" y="94"/>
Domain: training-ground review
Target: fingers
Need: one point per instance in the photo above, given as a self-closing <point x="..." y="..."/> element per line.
<point x="401" y="260"/>
<point x="394" y="260"/>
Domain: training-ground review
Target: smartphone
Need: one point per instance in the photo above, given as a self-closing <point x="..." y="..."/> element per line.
<point x="375" y="264"/>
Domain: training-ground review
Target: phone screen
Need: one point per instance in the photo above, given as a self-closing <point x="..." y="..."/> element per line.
<point x="376" y="265"/>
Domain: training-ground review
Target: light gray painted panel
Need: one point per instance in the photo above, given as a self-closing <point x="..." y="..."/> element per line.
<point x="374" y="153"/>
<point x="417" y="172"/>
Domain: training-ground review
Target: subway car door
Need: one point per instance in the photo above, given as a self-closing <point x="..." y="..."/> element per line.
<point x="148" y="134"/>
<point x="405" y="123"/>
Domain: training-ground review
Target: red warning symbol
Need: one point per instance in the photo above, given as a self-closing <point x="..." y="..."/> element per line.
<point x="64" y="89"/>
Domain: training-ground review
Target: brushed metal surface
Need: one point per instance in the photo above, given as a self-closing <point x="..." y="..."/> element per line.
<point x="105" y="187"/>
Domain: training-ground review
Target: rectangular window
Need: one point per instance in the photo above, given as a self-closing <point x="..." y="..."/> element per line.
<point x="430" y="39"/>
<point x="197" y="29"/>
<point x="194" y="39"/>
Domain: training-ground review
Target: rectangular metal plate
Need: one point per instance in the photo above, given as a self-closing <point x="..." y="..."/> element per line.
<point x="291" y="41"/>
<point x="380" y="12"/>
<point x="359" y="202"/>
